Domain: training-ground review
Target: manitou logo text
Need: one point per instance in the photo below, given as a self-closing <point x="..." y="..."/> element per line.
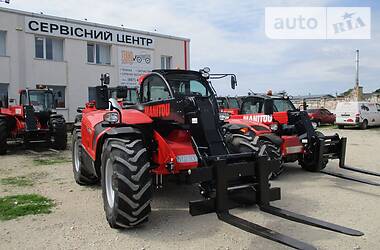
<point x="161" y="110"/>
<point x="258" y="118"/>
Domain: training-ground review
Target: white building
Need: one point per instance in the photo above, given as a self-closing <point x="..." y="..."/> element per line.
<point x="69" y="56"/>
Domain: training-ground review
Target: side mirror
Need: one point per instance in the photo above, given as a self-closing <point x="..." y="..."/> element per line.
<point x="233" y="82"/>
<point x="268" y="107"/>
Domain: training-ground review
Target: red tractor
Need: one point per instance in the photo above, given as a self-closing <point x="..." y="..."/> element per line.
<point x="32" y="120"/>
<point x="228" y="104"/>
<point x="295" y="133"/>
<point x="175" y="130"/>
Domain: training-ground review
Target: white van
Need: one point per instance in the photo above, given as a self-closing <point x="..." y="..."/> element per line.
<point x="362" y="114"/>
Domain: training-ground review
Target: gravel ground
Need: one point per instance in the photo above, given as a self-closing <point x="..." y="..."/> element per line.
<point x="78" y="220"/>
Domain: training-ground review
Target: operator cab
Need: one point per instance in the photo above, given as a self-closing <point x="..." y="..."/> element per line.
<point x="41" y="99"/>
<point x="38" y="105"/>
<point x="257" y="103"/>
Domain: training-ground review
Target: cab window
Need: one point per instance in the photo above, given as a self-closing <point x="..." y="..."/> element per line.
<point x="154" y="89"/>
<point x="222" y="103"/>
<point x="281" y="105"/>
<point x="252" y="106"/>
<point x="234" y="103"/>
<point x="188" y="87"/>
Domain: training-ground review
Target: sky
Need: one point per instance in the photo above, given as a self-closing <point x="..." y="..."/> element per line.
<point x="229" y="37"/>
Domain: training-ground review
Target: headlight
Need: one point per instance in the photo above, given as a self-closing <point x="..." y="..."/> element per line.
<point x="224" y="116"/>
<point x="274" y="127"/>
<point x="111" y="117"/>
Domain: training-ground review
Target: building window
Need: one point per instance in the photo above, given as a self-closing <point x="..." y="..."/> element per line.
<point x="166" y="62"/>
<point x="59" y="95"/>
<point x="98" y="53"/>
<point x="3" y="35"/>
<point x="49" y="48"/>
<point x="3" y="94"/>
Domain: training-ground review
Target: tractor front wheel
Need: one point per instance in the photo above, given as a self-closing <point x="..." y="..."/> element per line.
<point x="81" y="176"/>
<point x="3" y="136"/>
<point x="238" y="143"/>
<point x="273" y="152"/>
<point x="126" y="182"/>
<point x="59" y="135"/>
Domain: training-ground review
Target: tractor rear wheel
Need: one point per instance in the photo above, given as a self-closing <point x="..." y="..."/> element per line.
<point x="310" y="163"/>
<point x="60" y="135"/>
<point x="4" y="131"/>
<point x="81" y="176"/>
<point x="126" y="182"/>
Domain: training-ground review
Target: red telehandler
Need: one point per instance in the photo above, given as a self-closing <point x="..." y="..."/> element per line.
<point x="32" y="120"/>
<point x="175" y="129"/>
<point x="295" y="133"/>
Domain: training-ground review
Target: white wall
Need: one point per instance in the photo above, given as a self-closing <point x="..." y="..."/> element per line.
<point x="21" y="69"/>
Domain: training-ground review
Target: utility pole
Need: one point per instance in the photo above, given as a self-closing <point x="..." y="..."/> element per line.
<point x="357" y="94"/>
<point x="357" y="69"/>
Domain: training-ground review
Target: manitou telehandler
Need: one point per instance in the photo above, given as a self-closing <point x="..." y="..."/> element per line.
<point x="296" y="135"/>
<point x="228" y="104"/>
<point x="32" y="120"/>
<point x="175" y="130"/>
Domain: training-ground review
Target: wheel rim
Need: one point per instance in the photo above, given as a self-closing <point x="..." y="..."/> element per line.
<point x="108" y="179"/>
<point x="76" y="156"/>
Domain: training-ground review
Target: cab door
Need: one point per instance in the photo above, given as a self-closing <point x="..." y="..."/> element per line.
<point x="157" y="99"/>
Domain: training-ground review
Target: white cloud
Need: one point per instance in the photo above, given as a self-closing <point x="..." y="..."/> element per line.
<point x="229" y="36"/>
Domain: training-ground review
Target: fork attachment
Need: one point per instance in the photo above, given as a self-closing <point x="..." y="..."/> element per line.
<point x="223" y="172"/>
<point x="333" y="147"/>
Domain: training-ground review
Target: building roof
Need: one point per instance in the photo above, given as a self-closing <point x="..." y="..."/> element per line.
<point x="62" y="19"/>
<point x="308" y="97"/>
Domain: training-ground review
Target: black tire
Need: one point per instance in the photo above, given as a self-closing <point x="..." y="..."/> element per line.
<point x="126" y="182"/>
<point x="238" y="143"/>
<point x="59" y="136"/>
<point x="364" y="125"/>
<point x="81" y="176"/>
<point x="309" y="163"/>
<point x="274" y="154"/>
<point x="4" y="132"/>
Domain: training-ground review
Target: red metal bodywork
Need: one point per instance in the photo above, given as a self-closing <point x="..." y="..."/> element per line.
<point x="93" y="117"/>
<point x="16" y="114"/>
<point x="177" y="143"/>
<point x="172" y="149"/>
<point x="232" y="111"/>
<point x="279" y="117"/>
<point x="291" y="144"/>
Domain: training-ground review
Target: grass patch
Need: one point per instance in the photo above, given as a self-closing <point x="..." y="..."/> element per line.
<point x="20" y="181"/>
<point x="50" y="161"/>
<point x="15" y="206"/>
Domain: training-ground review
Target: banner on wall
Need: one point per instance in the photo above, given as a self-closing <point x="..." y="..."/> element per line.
<point x="74" y="30"/>
<point x="133" y="63"/>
